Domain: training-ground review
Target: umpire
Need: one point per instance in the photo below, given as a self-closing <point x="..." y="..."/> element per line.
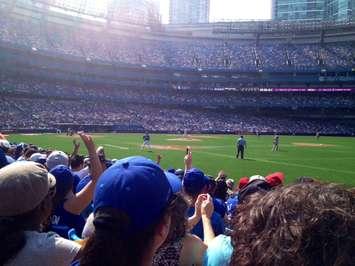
<point x="241" y="145"/>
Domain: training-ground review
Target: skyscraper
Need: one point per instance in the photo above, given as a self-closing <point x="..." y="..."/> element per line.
<point x="339" y="10"/>
<point x="298" y="10"/>
<point x="313" y="10"/>
<point x="189" y="11"/>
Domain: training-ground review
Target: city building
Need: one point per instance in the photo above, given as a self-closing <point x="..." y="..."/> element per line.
<point x="298" y="10"/>
<point x="339" y="10"/>
<point x="313" y="10"/>
<point x="189" y="11"/>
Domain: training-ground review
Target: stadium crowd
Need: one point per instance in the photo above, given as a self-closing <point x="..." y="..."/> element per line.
<point x="103" y="45"/>
<point x="192" y="98"/>
<point x="70" y="209"/>
<point x="30" y="104"/>
<point x="31" y="113"/>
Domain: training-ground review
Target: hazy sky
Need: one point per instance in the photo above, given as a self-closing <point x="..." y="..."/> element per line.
<point x="230" y="10"/>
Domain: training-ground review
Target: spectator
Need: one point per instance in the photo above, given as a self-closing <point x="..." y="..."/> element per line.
<point x="180" y="247"/>
<point x="256" y="183"/>
<point x="3" y="159"/>
<point x="319" y="231"/>
<point x="22" y="242"/>
<point x="5" y="147"/>
<point x="69" y="206"/>
<point x="194" y="184"/>
<point x="309" y="224"/>
<point x="132" y="202"/>
<point x="57" y="158"/>
<point x="77" y="166"/>
<point x="275" y="179"/>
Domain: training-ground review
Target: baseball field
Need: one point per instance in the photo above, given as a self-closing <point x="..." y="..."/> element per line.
<point x="329" y="158"/>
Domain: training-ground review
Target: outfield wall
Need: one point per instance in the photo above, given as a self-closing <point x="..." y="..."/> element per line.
<point x="108" y="129"/>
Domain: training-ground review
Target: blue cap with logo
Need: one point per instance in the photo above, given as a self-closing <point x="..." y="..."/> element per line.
<point x="194" y="181"/>
<point x="136" y="186"/>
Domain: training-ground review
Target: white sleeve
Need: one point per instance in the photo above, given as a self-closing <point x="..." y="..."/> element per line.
<point x="64" y="251"/>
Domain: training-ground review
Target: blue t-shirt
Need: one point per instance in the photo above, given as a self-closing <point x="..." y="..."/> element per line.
<point x="216" y="220"/>
<point x="220" y="207"/>
<point x="219" y="252"/>
<point x="232" y="204"/>
<point x="62" y="221"/>
<point x="3" y="159"/>
<point x="75" y="182"/>
<point x="83" y="182"/>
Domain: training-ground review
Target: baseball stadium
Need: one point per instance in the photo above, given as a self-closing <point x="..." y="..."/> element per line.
<point x="148" y="137"/>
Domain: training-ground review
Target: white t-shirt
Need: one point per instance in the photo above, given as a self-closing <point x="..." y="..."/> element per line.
<point x="82" y="173"/>
<point x="43" y="249"/>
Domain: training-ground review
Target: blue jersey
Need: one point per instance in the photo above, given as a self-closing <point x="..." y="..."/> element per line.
<point x="220" y="207"/>
<point x="232" y="204"/>
<point x="83" y="182"/>
<point x="216" y="220"/>
<point x="62" y="221"/>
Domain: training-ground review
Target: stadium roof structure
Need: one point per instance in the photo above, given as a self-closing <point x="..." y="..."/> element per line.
<point x="145" y="12"/>
<point x="130" y="11"/>
<point x="46" y="17"/>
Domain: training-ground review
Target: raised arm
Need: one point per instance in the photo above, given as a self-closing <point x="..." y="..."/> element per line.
<point x="76" y="147"/>
<point x="82" y="199"/>
<point x="207" y="209"/>
<point x="188" y="159"/>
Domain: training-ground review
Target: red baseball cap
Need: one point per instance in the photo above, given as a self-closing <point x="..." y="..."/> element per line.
<point x="243" y="182"/>
<point x="275" y="179"/>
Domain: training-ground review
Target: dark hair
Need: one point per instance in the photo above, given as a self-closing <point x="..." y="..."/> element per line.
<point x="301" y="224"/>
<point x="76" y="161"/>
<point x="29" y="152"/>
<point x="62" y="190"/>
<point x="211" y="186"/>
<point x="12" y="234"/>
<point x="111" y="244"/>
<point x="220" y="191"/>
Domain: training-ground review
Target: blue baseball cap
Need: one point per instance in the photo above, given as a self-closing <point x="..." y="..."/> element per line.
<point x="194" y="181"/>
<point x="136" y="186"/>
<point x="174" y="181"/>
<point x="64" y="177"/>
<point x="3" y="160"/>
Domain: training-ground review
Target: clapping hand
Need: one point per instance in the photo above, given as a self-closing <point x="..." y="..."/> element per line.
<point x="207" y="206"/>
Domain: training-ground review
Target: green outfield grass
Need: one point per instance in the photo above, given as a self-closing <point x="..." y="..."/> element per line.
<point x="329" y="158"/>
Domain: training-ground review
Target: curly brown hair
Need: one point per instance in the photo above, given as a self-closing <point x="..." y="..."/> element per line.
<point x="178" y="219"/>
<point x="300" y="224"/>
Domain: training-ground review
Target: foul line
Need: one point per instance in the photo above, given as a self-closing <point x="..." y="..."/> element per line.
<point x="115" y="146"/>
<point x="282" y="163"/>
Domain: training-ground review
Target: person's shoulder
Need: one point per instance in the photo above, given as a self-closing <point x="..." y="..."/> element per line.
<point x="191" y="240"/>
<point x="219" y="251"/>
<point x="50" y="240"/>
<point x="193" y="250"/>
